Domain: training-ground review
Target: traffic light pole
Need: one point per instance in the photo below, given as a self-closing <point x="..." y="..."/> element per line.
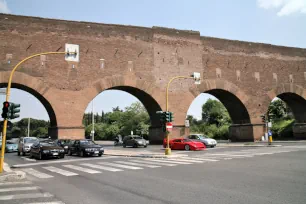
<point x="168" y="149"/>
<point x="8" y="97"/>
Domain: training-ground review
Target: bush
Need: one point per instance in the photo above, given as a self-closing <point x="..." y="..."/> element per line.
<point x="282" y="129"/>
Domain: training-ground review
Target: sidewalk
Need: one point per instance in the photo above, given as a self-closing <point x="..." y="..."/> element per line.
<point x="10" y="175"/>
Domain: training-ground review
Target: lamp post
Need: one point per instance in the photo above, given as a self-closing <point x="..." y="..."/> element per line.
<point x="69" y="56"/>
<point x="197" y="77"/>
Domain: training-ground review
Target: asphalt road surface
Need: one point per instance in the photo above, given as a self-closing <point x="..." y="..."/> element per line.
<point x="225" y="175"/>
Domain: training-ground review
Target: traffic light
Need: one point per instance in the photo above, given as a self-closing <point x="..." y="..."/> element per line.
<point x="167" y="116"/>
<point x="171" y="116"/>
<point x="13" y="109"/>
<point x="263" y="118"/>
<point x="5" y="110"/>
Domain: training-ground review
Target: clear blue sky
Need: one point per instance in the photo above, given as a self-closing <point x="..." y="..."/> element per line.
<point x="280" y="22"/>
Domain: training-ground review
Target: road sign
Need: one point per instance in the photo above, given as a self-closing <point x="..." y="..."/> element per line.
<point x="270" y="133"/>
<point x="197" y="77"/>
<point x="187" y="123"/>
<point x="70" y="48"/>
<point x="169" y="126"/>
<point x="269" y="124"/>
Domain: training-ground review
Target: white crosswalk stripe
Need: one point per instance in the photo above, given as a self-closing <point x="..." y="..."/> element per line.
<point x="166" y="161"/>
<point x="231" y="155"/>
<point x="120" y="165"/>
<point x="86" y="170"/>
<point x="19" y="189"/>
<point x="60" y="171"/>
<point x="135" y="164"/>
<point x="106" y="168"/>
<point x="25" y="196"/>
<point x="186" y="160"/>
<point x="153" y="162"/>
<point x="205" y="159"/>
<point x="15" y="183"/>
<point x="55" y="202"/>
<point x="36" y="173"/>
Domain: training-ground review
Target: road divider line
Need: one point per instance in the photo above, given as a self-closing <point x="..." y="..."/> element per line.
<point x="106" y="168"/>
<point x="120" y="165"/>
<point x="153" y="162"/>
<point x="86" y="170"/>
<point x="36" y="173"/>
<point x="19" y="189"/>
<point x="26" y="196"/>
<point x="135" y="164"/>
<point x="167" y="161"/>
<point x="60" y="171"/>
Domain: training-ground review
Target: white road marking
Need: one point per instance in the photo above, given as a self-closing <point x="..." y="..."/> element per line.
<point x="16" y="183"/>
<point x="205" y="159"/>
<point x="135" y="164"/>
<point x="120" y="165"/>
<point x="28" y="159"/>
<point x="60" y="171"/>
<point x="106" y="168"/>
<point x="19" y="189"/>
<point x="63" y="161"/>
<point x="54" y="202"/>
<point x="36" y="173"/>
<point x="231" y="155"/>
<point x="166" y="161"/>
<point x="153" y="162"/>
<point x="26" y="196"/>
<point x="185" y="160"/>
<point x="90" y="171"/>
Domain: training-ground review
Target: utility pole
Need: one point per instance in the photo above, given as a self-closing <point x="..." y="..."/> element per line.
<point x="93" y="122"/>
<point x="29" y="121"/>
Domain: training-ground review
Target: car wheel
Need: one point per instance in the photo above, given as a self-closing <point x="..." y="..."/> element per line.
<point x="187" y="147"/>
<point x="145" y="146"/>
<point x="135" y="145"/>
<point x="81" y="154"/>
<point x="124" y="145"/>
<point x="23" y="153"/>
<point x="69" y="152"/>
<point x="18" y="153"/>
<point x="31" y="155"/>
<point x="100" y="155"/>
<point x="62" y="156"/>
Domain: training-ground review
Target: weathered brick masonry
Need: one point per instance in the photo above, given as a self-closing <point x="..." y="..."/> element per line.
<point x="245" y="76"/>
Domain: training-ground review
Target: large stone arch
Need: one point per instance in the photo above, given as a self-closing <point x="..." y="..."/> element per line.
<point x="35" y="87"/>
<point x="295" y="97"/>
<point x="144" y="90"/>
<point x="238" y="105"/>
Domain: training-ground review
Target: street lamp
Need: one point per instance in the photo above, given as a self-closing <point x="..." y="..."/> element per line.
<point x="197" y="78"/>
<point x="71" y="54"/>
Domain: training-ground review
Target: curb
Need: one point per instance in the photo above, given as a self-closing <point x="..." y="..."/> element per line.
<point x="10" y="175"/>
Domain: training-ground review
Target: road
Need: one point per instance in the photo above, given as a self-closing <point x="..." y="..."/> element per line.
<point x="222" y="175"/>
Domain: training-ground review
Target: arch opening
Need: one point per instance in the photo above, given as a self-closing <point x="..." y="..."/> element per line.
<point x="287" y="113"/>
<point x="146" y="122"/>
<point x="226" y="104"/>
<point x="52" y="122"/>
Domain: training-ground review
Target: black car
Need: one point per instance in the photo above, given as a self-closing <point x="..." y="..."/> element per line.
<point x="63" y="143"/>
<point x="134" y="141"/>
<point x="85" y="148"/>
<point x="46" y="149"/>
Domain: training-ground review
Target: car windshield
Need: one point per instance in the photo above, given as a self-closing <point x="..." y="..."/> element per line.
<point x="137" y="137"/>
<point x="203" y="136"/>
<point x="10" y="142"/>
<point x="87" y="142"/>
<point x="46" y="143"/>
<point x="30" y="140"/>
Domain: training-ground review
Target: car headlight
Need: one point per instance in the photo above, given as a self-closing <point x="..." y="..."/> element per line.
<point x="61" y="150"/>
<point x="46" y="151"/>
<point x="101" y="148"/>
<point x="140" y="142"/>
<point x="66" y="147"/>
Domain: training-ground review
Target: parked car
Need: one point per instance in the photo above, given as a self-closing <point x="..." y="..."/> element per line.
<point x="85" y="148"/>
<point x="134" y="141"/>
<point x="204" y="139"/>
<point x="184" y="144"/>
<point x="63" y="143"/>
<point x="24" y="145"/>
<point x="11" y="146"/>
<point x="46" y="149"/>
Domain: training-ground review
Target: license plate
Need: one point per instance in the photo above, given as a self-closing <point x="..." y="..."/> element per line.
<point x="54" y="154"/>
<point x="96" y="152"/>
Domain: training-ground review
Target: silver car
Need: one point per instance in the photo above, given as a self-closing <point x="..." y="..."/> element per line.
<point x="204" y="139"/>
<point x="25" y="144"/>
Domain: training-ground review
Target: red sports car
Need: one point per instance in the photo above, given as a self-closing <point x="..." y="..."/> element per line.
<point x="185" y="144"/>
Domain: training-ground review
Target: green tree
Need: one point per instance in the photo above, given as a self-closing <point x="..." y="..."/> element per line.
<point x="277" y="109"/>
<point x="40" y="132"/>
<point x="214" y="112"/>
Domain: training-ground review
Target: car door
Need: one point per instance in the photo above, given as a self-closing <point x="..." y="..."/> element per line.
<point x="73" y="146"/>
<point x="176" y="144"/>
<point x="128" y="141"/>
<point x="35" y="148"/>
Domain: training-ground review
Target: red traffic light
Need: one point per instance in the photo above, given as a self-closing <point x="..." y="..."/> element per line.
<point x="6" y="104"/>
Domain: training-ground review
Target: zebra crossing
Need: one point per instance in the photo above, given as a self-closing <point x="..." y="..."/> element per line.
<point x="128" y="164"/>
<point x="25" y="192"/>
